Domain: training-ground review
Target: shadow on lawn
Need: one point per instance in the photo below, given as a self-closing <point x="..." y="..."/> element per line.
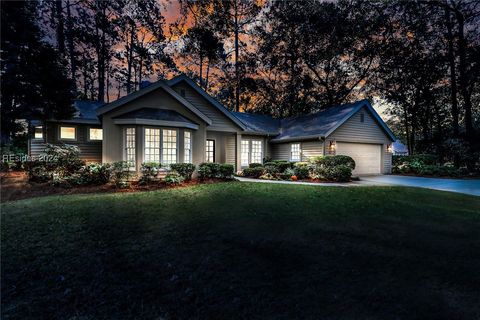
<point x="152" y="258"/>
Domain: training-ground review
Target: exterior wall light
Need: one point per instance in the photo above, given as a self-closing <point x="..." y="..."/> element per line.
<point x="331" y="148"/>
<point x="389" y="148"/>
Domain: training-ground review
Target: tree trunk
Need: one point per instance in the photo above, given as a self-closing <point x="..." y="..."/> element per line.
<point x="71" y="46"/>
<point x="60" y="27"/>
<point x="453" y="79"/>
<point x="237" y="71"/>
<point x="463" y="77"/>
<point x="206" y="76"/>
<point x="201" y="68"/>
<point x="130" y="58"/>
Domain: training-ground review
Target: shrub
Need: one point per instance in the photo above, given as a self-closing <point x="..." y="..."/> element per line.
<point x="253" y="172"/>
<point x="301" y="171"/>
<point x="331" y="161"/>
<point x="95" y="173"/>
<point x="173" y="178"/>
<point x="208" y="170"/>
<point x="271" y="168"/>
<point x="67" y="181"/>
<point x="184" y="169"/>
<point x="268" y="176"/>
<point x="38" y="171"/>
<point x="284" y="165"/>
<point x="120" y="173"/>
<point x="149" y="172"/>
<point x="226" y="171"/>
<point x="287" y="174"/>
<point x="339" y="173"/>
<point x="64" y="159"/>
<point x="255" y="165"/>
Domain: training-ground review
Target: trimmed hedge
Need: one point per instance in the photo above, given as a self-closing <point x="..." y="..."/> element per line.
<point x="253" y="172"/>
<point x="255" y="165"/>
<point x="184" y="169"/>
<point x="212" y="170"/>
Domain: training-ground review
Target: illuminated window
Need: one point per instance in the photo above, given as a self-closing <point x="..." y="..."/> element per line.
<point x="130" y="155"/>
<point x="187" y="142"/>
<point x="169" y="147"/>
<point x="68" y="133"/>
<point x="295" y="152"/>
<point x="38" y="134"/>
<point x="245" y="156"/>
<point x="210" y="151"/>
<point x="95" y="134"/>
<point x="257" y="152"/>
<point x="152" y="145"/>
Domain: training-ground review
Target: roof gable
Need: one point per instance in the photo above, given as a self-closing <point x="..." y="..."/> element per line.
<point x="157" y="85"/>
<point x="212" y="101"/>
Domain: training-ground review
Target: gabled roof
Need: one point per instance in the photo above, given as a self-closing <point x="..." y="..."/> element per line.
<point x="258" y="123"/>
<point x="311" y="126"/>
<point x="209" y="98"/>
<point x="137" y="94"/>
<point x="85" y="112"/>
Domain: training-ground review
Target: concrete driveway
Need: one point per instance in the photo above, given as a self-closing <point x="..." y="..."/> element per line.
<point x="467" y="186"/>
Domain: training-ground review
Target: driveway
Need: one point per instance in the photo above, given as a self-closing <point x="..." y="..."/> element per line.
<point x="467" y="186"/>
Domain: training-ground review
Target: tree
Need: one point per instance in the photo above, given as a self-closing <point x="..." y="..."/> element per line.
<point x="34" y="80"/>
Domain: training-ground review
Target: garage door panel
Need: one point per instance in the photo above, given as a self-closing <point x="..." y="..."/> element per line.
<point x="368" y="157"/>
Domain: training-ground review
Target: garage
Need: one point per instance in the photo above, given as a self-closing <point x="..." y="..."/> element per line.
<point x="368" y="157"/>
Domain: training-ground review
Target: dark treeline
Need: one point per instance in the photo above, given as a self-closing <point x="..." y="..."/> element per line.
<point x="419" y="58"/>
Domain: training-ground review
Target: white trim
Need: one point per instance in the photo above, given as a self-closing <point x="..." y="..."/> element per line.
<point x="124" y="147"/>
<point x="299" y="152"/>
<point x="151" y="122"/>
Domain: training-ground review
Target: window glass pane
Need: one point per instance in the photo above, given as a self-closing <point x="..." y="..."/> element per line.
<point x="188" y="147"/>
<point x="245" y="156"/>
<point x="96" y="134"/>
<point x="295" y="152"/>
<point x="152" y="145"/>
<point x="38" y="132"/>
<point x="169" y="148"/>
<point x="67" y="132"/>
<point x="210" y="151"/>
<point x="257" y="151"/>
<point x="130" y="147"/>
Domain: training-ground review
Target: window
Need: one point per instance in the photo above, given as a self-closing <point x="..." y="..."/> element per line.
<point x="257" y="152"/>
<point x="295" y="152"/>
<point x="187" y="143"/>
<point x="95" y="134"/>
<point x="362" y="117"/>
<point x="152" y="145"/>
<point x="210" y="151"/>
<point x="68" y="133"/>
<point x="38" y="134"/>
<point x="245" y="156"/>
<point x="130" y="147"/>
<point x="169" y="147"/>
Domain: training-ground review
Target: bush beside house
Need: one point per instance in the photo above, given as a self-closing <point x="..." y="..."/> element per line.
<point x="427" y="165"/>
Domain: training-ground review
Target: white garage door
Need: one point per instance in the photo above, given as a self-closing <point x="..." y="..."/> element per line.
<point x="368" y="158"/>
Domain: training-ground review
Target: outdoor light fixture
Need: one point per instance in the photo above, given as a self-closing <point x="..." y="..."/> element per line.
<point x="332" y="145"/>
<point x="389" y="147"/>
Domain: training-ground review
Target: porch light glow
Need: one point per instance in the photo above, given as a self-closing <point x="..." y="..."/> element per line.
<point x="389" y="147"/>
<point x="332" y="145"/>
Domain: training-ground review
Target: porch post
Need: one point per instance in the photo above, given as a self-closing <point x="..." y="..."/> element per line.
<point x="238" y="152"/>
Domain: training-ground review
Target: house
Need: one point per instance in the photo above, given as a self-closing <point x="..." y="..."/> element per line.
<point x="177" y="121"/>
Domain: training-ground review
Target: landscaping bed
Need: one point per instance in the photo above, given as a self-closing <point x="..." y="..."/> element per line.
<point x="427" y="165"/>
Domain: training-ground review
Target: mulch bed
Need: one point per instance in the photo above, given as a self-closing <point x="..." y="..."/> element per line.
<point x="15" y="186"/>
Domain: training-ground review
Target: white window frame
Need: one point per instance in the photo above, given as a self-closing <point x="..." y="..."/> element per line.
<point x="187" y="152"/>
<point x="299" y="152"/>
<point x="162" y="148"/>
<point x="67" y="139"/>
<point x="90" y="137"/>
<point x="154" y="147"/>
<point x="35" y="133"/>
<point x="246" y="156"/>
<point x="126" y="148"/>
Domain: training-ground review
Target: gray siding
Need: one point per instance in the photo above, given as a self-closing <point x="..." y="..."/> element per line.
<point x="230" y="149"/>
<point x="281" y="151"/>
<point x="90" y="151"/>
<point x="355" y="131"/>
<point x="387" y="161"/>
<point x="220" y="122"/>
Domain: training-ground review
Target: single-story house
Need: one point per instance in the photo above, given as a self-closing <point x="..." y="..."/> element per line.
<point x="177" y="121"/>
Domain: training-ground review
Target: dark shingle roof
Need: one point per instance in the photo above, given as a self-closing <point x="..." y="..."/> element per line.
<point x="259" y="123"/>
<point x="86" y="109"/>
<point x="154" y="114"/>
<point x="316" y="124"/>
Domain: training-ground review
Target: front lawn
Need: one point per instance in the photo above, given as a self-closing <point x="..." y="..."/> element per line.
<point x="243" y="251"/>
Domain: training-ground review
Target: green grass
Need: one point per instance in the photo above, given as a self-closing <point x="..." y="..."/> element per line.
<point x="243" y="251"/>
